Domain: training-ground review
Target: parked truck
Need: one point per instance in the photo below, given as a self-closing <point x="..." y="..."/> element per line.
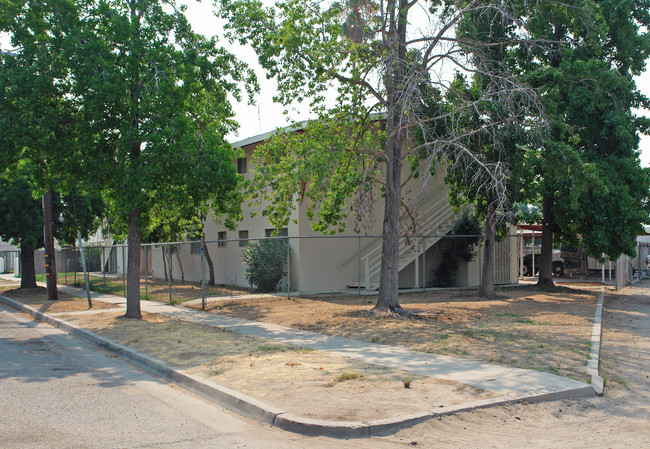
<point x="568" y="261"/>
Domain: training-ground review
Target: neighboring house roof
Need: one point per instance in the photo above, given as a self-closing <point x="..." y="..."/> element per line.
<point x="4" y="246"/>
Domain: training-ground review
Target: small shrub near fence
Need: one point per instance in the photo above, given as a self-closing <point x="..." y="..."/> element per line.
<point x="266" y="264"/>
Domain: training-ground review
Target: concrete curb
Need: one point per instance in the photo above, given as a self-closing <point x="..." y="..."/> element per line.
<point x="265" y="413"/>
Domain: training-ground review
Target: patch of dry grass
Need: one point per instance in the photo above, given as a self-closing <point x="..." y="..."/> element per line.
<point x="281" y="374"/>
<point x="524" y="327"/>
<point x="37" y="297"/>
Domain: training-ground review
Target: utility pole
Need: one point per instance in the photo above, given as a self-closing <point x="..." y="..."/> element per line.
<point x="50" y="262"/>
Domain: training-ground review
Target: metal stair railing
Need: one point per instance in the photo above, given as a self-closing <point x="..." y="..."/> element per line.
<point x="437" y="216"/>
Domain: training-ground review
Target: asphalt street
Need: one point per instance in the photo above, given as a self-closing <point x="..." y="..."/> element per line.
<point x="56" y="391"/>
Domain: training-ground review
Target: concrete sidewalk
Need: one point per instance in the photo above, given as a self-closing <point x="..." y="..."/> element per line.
<point x="511" y="384"/>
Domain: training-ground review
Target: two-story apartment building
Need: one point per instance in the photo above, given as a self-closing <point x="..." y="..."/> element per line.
<point x="333" y="263"/>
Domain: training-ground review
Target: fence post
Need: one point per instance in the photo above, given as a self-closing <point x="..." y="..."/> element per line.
<point x="123" y="271"/>
<point x="288" y="268"/>
<point x="104" y="266"/>
<point x="480" y="262"/>
<point x="146" y="272"/>
<point x="359" y="265"/>
<point x="83" y="265"/>
<point x="203" y="273"/>
<point x="533" y="259"/>
<point x="416" y="267"/>
<point x="521" y="254"/>
<point x="424" y="263"/>
<point x="171" y="270"/>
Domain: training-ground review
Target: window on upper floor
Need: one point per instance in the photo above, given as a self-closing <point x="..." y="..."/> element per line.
<point x="241" y="166"/>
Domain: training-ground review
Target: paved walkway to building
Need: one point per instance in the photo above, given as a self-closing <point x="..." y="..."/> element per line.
<point x="508" y="381"/>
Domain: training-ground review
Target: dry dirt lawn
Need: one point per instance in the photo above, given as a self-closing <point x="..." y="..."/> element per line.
<point x="37" y="298"/>
<point x="523" y="328"/>
<point x="619" y="419"/>
<point x="279" y="374"/>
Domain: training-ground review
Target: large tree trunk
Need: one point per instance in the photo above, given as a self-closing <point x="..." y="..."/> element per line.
<point x="389" y="277"/>
<point x="546" y="258"/>
<point x="545" y="278"/>
<point x="50" y="259"/>
<point x="133" y="270"/>
<point x="486" y="290"/>
<point x="208" y="259"/>
<point x="27" y="272"/>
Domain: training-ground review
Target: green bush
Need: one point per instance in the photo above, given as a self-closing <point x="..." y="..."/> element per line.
<point x="93" y="258"/>
<point x="266" y="262"/>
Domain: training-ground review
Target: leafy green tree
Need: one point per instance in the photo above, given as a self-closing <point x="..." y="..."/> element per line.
<point x="37" y="112"/>
<point x="154" y="98"/>
<point x="21" y="223"/>
<point x="591" y="185"/>
<point x="458" y="246"/>
<point x="502" y="147"/>
<point x="359" y="151"/>
<point x="75" y="212"/>
<point x="21" y="217"/>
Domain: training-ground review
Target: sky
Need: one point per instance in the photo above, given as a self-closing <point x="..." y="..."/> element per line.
<point x="265" y="115"/>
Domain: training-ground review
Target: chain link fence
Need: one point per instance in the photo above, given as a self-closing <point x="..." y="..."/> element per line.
<point x="9" y="260"/>
<point x="203" y="273"/>
<point x="573" y="265"/>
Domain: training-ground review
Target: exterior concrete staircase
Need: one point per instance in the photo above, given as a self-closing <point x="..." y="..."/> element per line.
<point x="438" y="218"/>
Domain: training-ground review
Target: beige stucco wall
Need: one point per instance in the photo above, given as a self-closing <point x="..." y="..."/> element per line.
<point x="318" y="264"/>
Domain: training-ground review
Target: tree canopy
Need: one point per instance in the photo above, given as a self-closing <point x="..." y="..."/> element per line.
<point x="38" y="129"/>
<point x="589" y="180"/>
<point x="155" y="96"/>
<point x="149" y="103"/>
<point x="21" y="216"/>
